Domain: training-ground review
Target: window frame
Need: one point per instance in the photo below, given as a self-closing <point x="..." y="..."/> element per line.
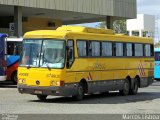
<point x="114" y="49"/>
<point x="73" y="53"/>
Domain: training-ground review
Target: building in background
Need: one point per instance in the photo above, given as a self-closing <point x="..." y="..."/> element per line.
<point x="19" y="16"/>
<point x="143" y="25"/>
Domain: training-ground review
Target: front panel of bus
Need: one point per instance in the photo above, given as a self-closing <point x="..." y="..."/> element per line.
<point x="42" y="66"/>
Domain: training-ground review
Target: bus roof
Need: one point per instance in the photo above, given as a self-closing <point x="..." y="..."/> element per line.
<point x="85" y="29"/>
<point x="63" y="31"/>
<point x="2" y="35"/>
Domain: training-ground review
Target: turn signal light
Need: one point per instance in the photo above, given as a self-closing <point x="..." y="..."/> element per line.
<point x="21" y="81"/>
<point x="56" y="83"/>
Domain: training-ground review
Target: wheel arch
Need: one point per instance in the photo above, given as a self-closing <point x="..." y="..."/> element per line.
<point x="85" y="85"/>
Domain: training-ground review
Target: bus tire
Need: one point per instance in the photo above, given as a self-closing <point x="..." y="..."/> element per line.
<point x="134" y="90"/>
<point x="42" y="97"/>
<point x="126" y="88"/>
<point x="14" y="77"/>
<point x="80" y="92"/>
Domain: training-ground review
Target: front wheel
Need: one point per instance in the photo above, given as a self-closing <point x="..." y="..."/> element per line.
<point x="80" y="92"/>
<point x="126" y="87"/>
<point x="42" y="97"/>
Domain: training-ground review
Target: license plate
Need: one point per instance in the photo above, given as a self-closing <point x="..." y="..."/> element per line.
<point x="38" y="92"/>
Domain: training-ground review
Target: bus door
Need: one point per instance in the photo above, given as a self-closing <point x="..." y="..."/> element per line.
<point x="70" y="60"/>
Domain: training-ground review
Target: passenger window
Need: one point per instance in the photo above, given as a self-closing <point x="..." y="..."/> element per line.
<point x="82" y="48"/>
<point x="95" y="48"/>
<point x="129" y="49"/>
<point x="147" y="50"/>
<point x="119" y="49"/>
<point x="106" y="49"/>
<point x="138" y="50"/>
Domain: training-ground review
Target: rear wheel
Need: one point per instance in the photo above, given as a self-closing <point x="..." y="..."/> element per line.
<point x="80" y="92"/>
<point x="126" y="87"/>
<point x="134" y="90"/>
<point x="42" y="97"/>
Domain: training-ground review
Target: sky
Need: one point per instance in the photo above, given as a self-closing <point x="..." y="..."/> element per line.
<point x="151" y="7"/>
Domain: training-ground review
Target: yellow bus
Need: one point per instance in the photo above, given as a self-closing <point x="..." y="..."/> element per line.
<point x="75" y="60"/>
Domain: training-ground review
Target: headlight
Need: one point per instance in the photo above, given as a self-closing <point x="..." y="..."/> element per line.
<point x="21" y="81"/>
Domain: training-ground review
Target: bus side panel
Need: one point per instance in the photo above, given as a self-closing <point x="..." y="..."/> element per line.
<point x="157" y="70"/>
<point x="12" y="65"/>
<point x="107" y="74"/>
<point x="2" y="60"/>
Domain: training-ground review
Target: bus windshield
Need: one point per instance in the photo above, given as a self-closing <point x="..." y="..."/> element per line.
<point x="43" y="53"/>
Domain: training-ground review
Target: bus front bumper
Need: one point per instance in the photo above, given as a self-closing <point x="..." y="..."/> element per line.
<point x="67" y="90"/>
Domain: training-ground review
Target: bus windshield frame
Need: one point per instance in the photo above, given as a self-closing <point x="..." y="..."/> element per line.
<point x="43" y="53"/>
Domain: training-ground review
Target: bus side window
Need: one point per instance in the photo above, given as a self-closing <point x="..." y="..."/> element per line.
<point x="119" y="49"/>
<point x="70" y="53"/>
<point x="129" y="49"/>
<point x="10" y="48"/>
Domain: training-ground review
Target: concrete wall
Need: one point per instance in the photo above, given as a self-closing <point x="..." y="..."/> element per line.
<point x="119" y="8"/>
<point x="34" y="24"/>
<point x="39" y="24"/>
